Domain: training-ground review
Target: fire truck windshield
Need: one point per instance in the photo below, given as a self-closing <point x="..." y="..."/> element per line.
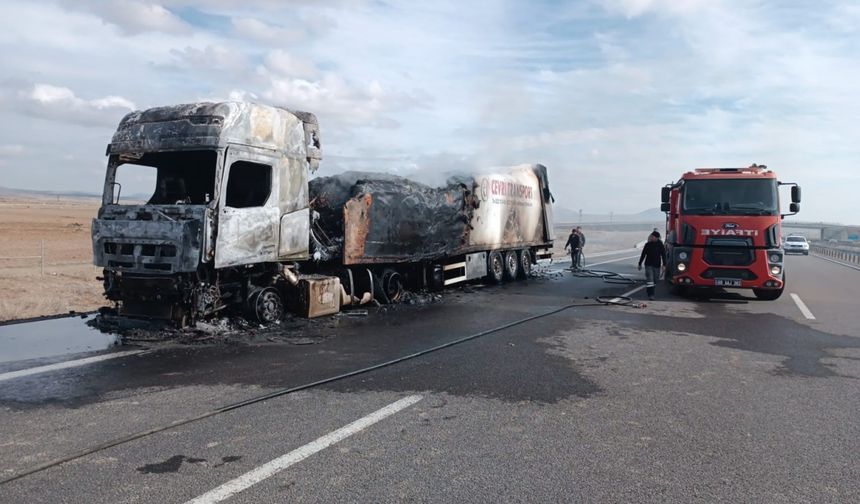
<point x="730" y="197"/>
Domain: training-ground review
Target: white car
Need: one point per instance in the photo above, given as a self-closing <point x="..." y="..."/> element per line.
<point x="796" y="245"/>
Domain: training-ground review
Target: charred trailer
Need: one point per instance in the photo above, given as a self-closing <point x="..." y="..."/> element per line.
<point x="232" y="221"/>
<point x="388" y="232"/>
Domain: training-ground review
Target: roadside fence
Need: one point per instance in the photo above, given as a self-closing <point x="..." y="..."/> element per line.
<point x="11" y="261"/>
<point x="838" y="254"/>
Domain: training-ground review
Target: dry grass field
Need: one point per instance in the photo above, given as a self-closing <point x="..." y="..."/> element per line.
<point x="69" y="279"/>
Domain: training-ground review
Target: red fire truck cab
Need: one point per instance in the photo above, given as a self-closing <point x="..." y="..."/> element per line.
<point x="724" y="229"/>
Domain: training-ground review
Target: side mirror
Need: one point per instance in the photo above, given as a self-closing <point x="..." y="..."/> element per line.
<point x="795" y="194"/>
<point x="794" y="207"/>
<point x="664" y="207"/>
<point x="665" y="194"/>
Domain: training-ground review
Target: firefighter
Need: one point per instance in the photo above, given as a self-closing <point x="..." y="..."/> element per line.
<point x="574" y="245"/>
<point x="654" y="256"/>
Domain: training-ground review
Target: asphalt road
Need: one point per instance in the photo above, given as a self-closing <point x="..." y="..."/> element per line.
<point x="682" y="400"/>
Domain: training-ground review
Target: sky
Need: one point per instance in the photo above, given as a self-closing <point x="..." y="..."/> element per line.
<point x="616" y="97"/>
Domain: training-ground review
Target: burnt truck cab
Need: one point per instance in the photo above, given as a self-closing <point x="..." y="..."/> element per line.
<point x="230" y="203"/>
<point x="724" y="228"/>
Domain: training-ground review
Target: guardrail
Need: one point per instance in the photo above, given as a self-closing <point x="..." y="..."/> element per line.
<point x="839" y="254"/>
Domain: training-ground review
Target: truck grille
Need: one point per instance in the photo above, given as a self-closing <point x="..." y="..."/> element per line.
<point x="742" y="274"/>
<point x="140" y="256"/>
<point x="729" y="251"/>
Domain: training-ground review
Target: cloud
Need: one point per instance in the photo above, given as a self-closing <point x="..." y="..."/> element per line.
<point x="615" y="96"/>
<point x="268" y="34"/>
<point x="59" y="103"/>
<point x="212" y="57"/>
<point x="283" y="64"/>
<point x="11" y="150"/>
<point x="636" y="8"/>
<point x="133" y="17"/>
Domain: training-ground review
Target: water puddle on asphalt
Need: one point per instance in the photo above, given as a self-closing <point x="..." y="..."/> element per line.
<point x="51" y="338"/>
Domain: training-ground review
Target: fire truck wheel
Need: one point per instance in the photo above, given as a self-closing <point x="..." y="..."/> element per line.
<point x="512" y="265"/>
<point x="266" y="305"/>
<point x="767" y="294"/>
<point x="679" y="290"/>
<point x="495" y="267"/>
<point x="525" y="263"/>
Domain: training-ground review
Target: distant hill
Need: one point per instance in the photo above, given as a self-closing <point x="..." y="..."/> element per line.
<point x="568" y="216"/>
<point x="34" y="193"/>
<point x="10" y="191"/>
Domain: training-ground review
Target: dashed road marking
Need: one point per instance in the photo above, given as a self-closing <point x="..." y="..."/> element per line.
<point x="802" y="306"/>
<point x="612" y="261"/>
<point x="590" y="265"/>
<point x="269" y="469"/>
<point x="627" y="294"/>
<point x="67" y="364"/>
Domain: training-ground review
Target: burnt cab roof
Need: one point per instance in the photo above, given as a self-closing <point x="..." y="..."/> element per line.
<point x="212" y="125"/>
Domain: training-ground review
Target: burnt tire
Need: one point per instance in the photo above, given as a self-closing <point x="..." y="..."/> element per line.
<point x="512" y="265"/>
<point x="525" y="264"/>
<point x="266" y="305"/>
<point x="495" y="267"/>
<point x="768" y="294"/>
<point x="392" y="286"/>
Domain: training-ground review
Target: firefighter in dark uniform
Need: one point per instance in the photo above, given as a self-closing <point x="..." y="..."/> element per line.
<point x="654" y="256"/>
<point x="574" y="244"/>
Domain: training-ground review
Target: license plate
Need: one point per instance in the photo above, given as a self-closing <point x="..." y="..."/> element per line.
<point x="727" y="282"/>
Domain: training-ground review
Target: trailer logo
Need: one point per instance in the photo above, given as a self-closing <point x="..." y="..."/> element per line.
<point x="510" y="189"/>
<point x="485" y="189"/>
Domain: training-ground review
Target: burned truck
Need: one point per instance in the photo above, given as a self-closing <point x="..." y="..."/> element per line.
<point x="235" y="223"/>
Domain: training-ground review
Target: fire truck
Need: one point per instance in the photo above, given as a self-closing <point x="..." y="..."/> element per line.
<point x="723" y="229"/>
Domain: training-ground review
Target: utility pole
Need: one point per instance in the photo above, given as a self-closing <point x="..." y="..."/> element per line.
<point x="580" y="216"/>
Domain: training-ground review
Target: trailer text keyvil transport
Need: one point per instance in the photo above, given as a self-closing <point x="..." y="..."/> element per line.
<point x="723" y="229"/>
<point x="233" y="220"/>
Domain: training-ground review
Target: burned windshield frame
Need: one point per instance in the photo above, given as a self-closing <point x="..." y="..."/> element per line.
<point x="730" y="197"/>
<point x="182" y="177"/>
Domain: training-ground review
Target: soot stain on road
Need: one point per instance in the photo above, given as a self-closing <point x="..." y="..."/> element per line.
<point x="514" y="366"/>
<point x="173" y="464"/>
<point x="170" y="465"/>
<point x="803" y="347"/>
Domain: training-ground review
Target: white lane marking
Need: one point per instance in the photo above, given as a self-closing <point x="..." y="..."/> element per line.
<point x="627" y="294"/>
<point x="802" y="306"/>
<point x="612" y="261"/>
<point x="590" y="265"/>
<point x="269" y="469"/>
<point x="67" y="364"/>
<point x="566" y="259"/>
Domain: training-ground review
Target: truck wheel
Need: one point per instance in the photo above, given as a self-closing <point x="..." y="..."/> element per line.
<point x="768" y="294"/>
<point x="679" y="290"/>
<point x="266" y="305"/>
<point x="525" y="263"/>
<point x="392" y="286"/>
<point x="512" y="265"/>
<point x="495" y="267"/>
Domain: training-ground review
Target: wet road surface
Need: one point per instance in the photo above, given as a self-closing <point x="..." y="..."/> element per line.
<point x="683" y="400"/>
